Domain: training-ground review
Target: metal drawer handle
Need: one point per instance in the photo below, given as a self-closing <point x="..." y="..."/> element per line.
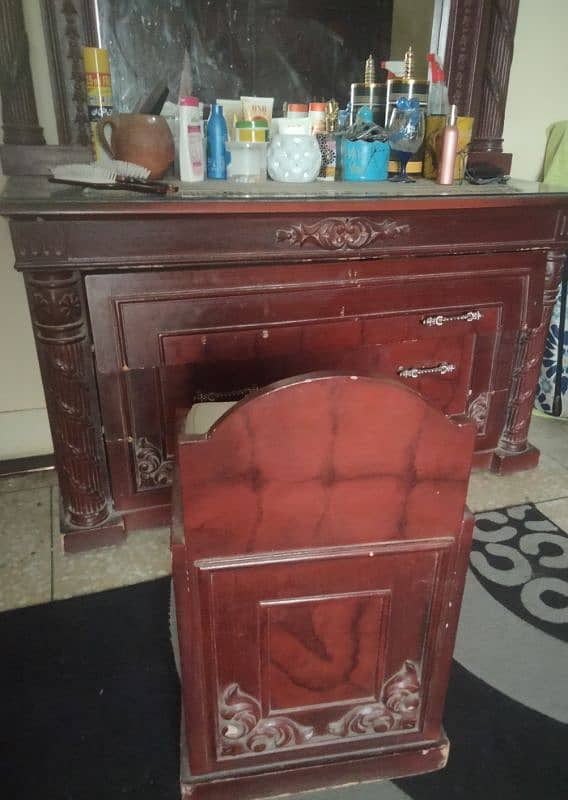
<point x="418" y="372"/>
<point x="440" y="319"/>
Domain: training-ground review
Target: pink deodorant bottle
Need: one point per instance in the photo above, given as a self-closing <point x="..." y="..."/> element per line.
<point x="449" y="150"/>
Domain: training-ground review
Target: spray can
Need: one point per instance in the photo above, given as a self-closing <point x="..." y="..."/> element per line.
<point x="99" y="92"/>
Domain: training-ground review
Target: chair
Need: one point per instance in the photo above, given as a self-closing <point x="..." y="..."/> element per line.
<point x="320" y="543"/>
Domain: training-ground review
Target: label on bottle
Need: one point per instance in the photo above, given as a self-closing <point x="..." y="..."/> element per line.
<point x="328" y="147"/>
<point x="195" y="147"/>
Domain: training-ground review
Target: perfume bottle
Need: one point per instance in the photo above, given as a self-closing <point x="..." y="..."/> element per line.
<point x="410" y="87"/>
<point x="328" y="143"/>
<point x="449" y="150"/>
<point x="368" y="93"/>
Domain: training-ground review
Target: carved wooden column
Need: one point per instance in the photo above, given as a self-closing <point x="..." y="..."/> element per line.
<point x="478" y="62"/>
<point x="20" y="121"/>
<point x="58" y="314"/>
<point x="524" y="381"/>
<point x="461" y="58"/>
<point x="502" y="20"/>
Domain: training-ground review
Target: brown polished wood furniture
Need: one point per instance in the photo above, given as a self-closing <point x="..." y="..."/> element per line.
<point x="141" y="306"/>
<point x="320" y="545"/>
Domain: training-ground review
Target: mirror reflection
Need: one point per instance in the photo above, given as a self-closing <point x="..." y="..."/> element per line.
<point x="292" y="50"/>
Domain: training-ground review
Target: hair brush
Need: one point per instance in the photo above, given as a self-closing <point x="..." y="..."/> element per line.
<point x="117" y="175"/>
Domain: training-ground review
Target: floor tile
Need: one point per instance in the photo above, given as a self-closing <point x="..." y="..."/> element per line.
<point x="25" y="548"/>
<point x="143" y="556"/>
<point x="550" y="435"/>
<point x="30" y="480"/>
<point x="557" y="511"/>
<point x="547" y="482"/>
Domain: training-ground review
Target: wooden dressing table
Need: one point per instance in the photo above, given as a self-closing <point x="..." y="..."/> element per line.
<point x="141" y="305"/>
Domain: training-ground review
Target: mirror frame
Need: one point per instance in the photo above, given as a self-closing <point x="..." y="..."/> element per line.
<point x="479" y="42"/>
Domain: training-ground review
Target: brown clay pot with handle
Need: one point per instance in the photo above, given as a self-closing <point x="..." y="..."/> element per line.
<point x="142" y="139"/>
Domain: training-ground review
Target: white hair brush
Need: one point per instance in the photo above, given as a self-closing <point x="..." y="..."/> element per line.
<point x="115" y="175"/>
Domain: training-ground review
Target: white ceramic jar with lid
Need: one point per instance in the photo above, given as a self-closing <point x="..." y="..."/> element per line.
<point x="294" y="159"/>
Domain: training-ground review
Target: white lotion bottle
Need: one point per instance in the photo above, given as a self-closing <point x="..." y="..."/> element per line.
<point x="191" y="150"/>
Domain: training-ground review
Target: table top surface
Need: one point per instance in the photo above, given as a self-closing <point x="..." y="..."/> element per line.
<point x="33" y="195"/>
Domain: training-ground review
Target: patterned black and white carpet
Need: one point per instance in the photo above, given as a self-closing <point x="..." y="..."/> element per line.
<point x="90" y="698"/>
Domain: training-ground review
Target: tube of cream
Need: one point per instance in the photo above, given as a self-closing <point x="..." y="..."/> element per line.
<point x="258" y="108"/>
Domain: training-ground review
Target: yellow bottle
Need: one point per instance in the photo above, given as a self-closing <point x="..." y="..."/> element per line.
<point x="99" y="91"/>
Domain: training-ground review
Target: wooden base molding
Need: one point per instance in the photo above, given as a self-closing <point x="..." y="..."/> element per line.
<point x="78" y="541"/>
<point x="403" y="762"/>
<point x="504" y="463"/>
<point x="24" y="466"/>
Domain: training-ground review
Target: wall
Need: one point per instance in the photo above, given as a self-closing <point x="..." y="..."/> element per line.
<point x="538" y="95"/>
<point x="24" y="428"/>
<point x="412" y="25"/>
<point x="538" y="92"/>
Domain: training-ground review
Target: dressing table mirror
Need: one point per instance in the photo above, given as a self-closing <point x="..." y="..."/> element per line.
<point x="318" y="48"/>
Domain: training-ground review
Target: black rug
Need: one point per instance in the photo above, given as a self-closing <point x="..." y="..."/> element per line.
<point x="521" y="558"/>
<point x="90" y="711"/>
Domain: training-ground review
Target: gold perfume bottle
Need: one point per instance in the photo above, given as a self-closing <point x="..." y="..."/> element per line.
<point x="406" y="86"/>
<point x="368" y="93"/>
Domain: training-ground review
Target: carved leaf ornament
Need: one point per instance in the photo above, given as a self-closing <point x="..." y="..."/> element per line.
<point x="153" y="469"/>
<point x="243" y="730"/>
<point x="398" y="709"/>
<point x="341" y="233"/>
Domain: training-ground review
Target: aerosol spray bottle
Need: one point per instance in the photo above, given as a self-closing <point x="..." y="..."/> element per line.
<point x="99" y="92"/>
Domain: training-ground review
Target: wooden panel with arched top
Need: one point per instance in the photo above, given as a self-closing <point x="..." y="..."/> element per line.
<point x="319" y="561"/>
<point x="352" y="459"/>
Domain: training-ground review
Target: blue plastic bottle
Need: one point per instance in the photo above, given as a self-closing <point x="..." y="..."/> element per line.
<point x="217" y="154"/>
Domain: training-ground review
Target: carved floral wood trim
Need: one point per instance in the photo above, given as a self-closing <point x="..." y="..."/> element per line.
<point x="478" y="411"/>
<point x="528" y="357"/>
<point x="242" y="729"/>
<point x="342" y="233"/>
<point x="68" y="27"/>
<point x="152" y="469"/>
<point x="460" y="59"/>
<point x="62" y="339"/>
<point x="223" y="397"/>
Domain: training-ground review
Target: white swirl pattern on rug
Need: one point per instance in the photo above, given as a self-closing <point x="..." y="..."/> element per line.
<point x="514" y="657"/>
<point x="519" y="570"/>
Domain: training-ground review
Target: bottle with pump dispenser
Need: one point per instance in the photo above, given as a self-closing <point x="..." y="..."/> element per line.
<point x="217" y="153"/>
<point x="448" y="150"/>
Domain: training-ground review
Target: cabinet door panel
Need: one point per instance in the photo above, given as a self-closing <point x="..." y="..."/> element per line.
<point x="323" y="652"/>
<point x="163" y="341"/>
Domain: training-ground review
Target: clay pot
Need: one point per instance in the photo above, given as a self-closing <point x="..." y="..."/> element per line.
<point x="142" y="139"/>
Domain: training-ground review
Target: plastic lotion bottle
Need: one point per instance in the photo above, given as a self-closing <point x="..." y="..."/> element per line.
<point x="217" y="154"/>
<point x="191" y="156"/>
<point x="449" y="150"/>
